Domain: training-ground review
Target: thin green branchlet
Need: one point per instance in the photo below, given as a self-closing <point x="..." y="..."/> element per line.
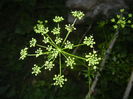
<point x="121" y="21"/>
<point x="56" y="47"/>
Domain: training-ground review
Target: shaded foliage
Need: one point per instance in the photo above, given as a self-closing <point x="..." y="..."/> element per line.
<point x="17" y="18"/>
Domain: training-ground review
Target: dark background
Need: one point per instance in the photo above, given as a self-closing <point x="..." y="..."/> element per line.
<point x="17" y="18"/>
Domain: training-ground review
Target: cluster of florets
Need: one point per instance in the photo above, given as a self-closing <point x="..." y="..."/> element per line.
<point x="89" y="41"/>
<point x="59" y="80"/>
<point x="36" y="70"/>
<point x="70" y="62"/>
<point x="57" y="47"/>
<point x="78" y="14"/>
<point x="49" y="65"/>
<point x="122" y="21"/>
<point x="92" y="59"/>
<point x="23" y="53"/>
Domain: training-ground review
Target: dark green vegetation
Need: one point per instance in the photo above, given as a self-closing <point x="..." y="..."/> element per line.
<point x="17" y="18"/>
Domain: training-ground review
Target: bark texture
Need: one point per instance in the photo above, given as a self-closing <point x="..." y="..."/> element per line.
<point x="129" y="87"/>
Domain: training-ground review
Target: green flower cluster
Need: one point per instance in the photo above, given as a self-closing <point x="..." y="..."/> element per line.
<point x="58" y="40"/>
<point x="93" y="59"/>
<point x="45" y="40"/>
<point x="54" y="48"/>
<point x="78" y="14"/>
<point x="49" y="48"/>
<point x="70" y="62"/>
<point x="49" y="65"/>
<point x="36" y="70"/>
<point x="23" y="53"/>
<point x="70" y="28"/>
<point x="58" y="19"/>
<point x="38" y="52"/>
<point x="122" y="21"/>
<point x="68" y="45"/>
<point x="33" y="42"/>
<point x="56" y="30"/>
<point x="59" y="80"/>
<point x="89" y="41"/>
<point x="40" y="28"/>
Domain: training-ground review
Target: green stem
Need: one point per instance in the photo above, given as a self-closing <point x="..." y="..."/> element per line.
<point x="31" y="54"/>
<point x="60" y="62"/>
<point x="66" y="58"/>
<point x="40" y="46"/>
<point x="73" y="55"/>
<point x="52" y="42"/>
<point x="35" y="54"/>
<point x="75" y="46"/>
<point x="64" y="55"/>
<point x="69" y="32"/>
<point x="59" y="35"/>
<point x="48" y="60"/>
<point x="58" y="25"/>
<point x="66" y="37"/>
<point x="89" y="78"/>
<point x="74" y="22"/>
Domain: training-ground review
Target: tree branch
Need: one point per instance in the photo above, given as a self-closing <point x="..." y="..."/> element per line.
<point x="108" y="51"/>
<point x="129" y="87"/>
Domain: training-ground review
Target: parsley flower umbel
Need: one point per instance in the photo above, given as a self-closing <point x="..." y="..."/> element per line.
<point x="56" y="48"/>
<point x="132" y="26"/>
<point x="58" y="19"/>
<point x="89" y="41"/>
<point x="45" y="40"/>
<point x="59" y="80"/>
<point x="23" y="53"/>
<point x="70" y="62"/>
<point x="56" y="30"/>
<point x="113" y="20"/>
<point x="121" y="21"/>
<point x="78" y="14"/>
<point x="39" y="28"/>
<point x="92" y="58"/>
<point x="129" y="15"/>
<point x="36" y="70"/>
<point x="33" y="42"/>
<point x="49" y="65"/>
<point x="115" y="26"/>
<point x="122" y="10"/>
<point x="53" y="54"/>
<point x="68" y="45"/>
<point x="70" y="28"/>
<point x="58" y="40"/>
<point x="38" y="52"/>
<point x="49" y="48"/>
